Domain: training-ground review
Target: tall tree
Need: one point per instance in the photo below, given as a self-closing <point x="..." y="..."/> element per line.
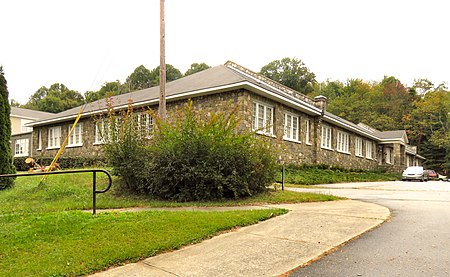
<point x="429" y="128"/>
<point x="107" y="90"/>
<point x="422" y="86"/>
<point x="6" y="163"/>
<point x="292" y="73"/>
<point x="196" y="67"/>
<point x="172" y="74"/>
<point x="55" y="99"/>
<point x="394" y="100"/>
<point x="141" y="78"/>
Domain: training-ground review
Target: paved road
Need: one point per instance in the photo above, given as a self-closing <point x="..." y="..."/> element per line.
<point x="414" y="242"/>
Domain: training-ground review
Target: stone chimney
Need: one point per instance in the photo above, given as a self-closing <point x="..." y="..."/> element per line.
<point x="321" y="102"/>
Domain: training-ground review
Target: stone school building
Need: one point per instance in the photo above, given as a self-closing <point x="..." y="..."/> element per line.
<point x="300" y="126"/>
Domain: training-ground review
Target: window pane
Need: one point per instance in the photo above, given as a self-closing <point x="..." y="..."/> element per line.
<point x="260" y="116"/>
<point x="254" y="121"/>
<point x="288" y="126"/>
<point x="295" y="128"/>
<point x="268" y="120"/>
<point x="286" y="130"/>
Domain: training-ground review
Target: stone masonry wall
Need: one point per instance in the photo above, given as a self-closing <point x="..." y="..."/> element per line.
<point x="208" y="104"/>
<point x="346" y="160"/>
<point x="88" y="148"/>
<point x="289" y="151"/>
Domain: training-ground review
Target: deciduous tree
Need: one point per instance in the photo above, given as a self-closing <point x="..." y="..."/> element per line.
<point x="429" y="128"/>
<point x="292" y="73"/>
<point x="196" y="67"/>
<point x="141" y="78"/>
<point x="55" y="99"/>
<point x="172" y="74"/>
<point x="107" y="90"/>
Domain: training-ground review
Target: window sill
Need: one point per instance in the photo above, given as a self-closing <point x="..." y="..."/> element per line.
<point x="343" y="152"/>
<point x="359" y="156"/>
<point x="74" y="145"/>
<point x="39" y="149"/>
<point x="266" y="134"/>
<point x="20" y="155"/>
<point x="369" y="158"/>
<point x="53" y="147"/>
<point x="309" y="143"/>
<point x="292" y="140"/>
<point x="326" y="148"/>
<point x="98" y="143"/>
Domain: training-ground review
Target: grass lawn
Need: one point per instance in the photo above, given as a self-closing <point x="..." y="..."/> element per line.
<point x="44" y="233"/>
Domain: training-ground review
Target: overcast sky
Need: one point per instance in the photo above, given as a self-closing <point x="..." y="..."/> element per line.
<point x="85" y="43"/>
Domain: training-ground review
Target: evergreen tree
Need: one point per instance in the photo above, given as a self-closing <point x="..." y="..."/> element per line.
<point x="6" y="165"/>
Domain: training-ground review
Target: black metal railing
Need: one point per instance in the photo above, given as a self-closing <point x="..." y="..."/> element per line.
<point x="282" y="178"/>
<point x="94" y="181"/>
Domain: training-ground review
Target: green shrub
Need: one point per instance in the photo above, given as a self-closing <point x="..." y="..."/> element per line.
<point x="311" y="174"/>
<point x="192" y="158"/>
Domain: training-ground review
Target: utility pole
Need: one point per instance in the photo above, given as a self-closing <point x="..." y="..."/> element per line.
<point x="162" y="65"/>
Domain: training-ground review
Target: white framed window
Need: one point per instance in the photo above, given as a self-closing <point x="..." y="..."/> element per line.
<point x="76" y="138"/>
<point x="39" y="134"/>
<point x="262" y="120"/>
<point x="343" y="142"/>
<point x="291" y="124"/>
<point x="54" y="137"/>
<point x="369" y="149"/>
<point x="101" y="131"/>
<point x="145" y="124"/>
<point x="326" y="137"/>
<point x="359" y="147"/>
<point x="388" y="156"/>
<point x="308" y="131"/>
<point x="21" y="147"/>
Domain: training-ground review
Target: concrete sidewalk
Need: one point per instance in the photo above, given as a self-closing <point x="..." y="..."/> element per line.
<point x="270" y="248"/>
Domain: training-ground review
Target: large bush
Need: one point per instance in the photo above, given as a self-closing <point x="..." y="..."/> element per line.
<point x="194" y="157"/>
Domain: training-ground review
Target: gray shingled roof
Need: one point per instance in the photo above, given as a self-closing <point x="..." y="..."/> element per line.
<point x="207" y="79"/>
<point x="210" y="79"/>
<point x="397" y="134"/>
<point x="32" y="114"/>
<point x="356" y="127"/>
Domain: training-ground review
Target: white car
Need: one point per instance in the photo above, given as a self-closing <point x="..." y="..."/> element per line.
<point x="442" y="177"/>
<point x="414" y="173"/>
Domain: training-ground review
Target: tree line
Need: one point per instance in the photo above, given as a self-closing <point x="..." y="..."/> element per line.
<point x="423" y="109"/>
<point x="58" y="97"/>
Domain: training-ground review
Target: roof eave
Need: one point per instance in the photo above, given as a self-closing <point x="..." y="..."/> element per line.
<point x="349" y="127"/>
<point x="287" y="100"/>
<point x="393" y="140"/>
